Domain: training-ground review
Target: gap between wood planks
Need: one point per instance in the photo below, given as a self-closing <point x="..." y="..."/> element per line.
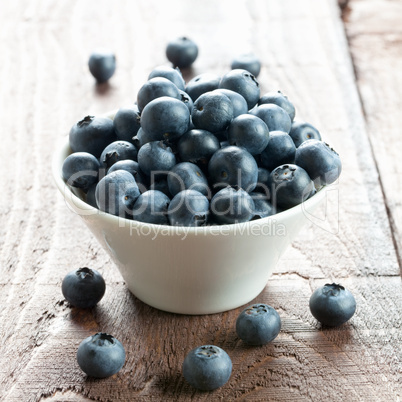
<point x="345" y="11"/>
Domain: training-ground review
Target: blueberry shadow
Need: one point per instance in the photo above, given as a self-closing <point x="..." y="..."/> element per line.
<point x="102" y="88"/>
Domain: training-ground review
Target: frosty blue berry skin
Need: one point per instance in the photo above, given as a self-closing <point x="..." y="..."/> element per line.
<point x="258" y="324"/>
<point x="156" y="158"/>
<point x="80" y="170"/>
<point x="202" y="83"/>
<point x="238" y="102"/>
<point x="101" y="355"/>
<point x="92" y="134"/>
<point x="127" y="122"/>
<point x="276" y="118"/>
<point x="279" y="99"/>
<point x="83" y="288"/>
<point x="320" y="161"/>
<point x="102" y="65"/>
<point x="290" y="185"/>
<point x="172" y="74"/>
<point x="302" y="131"/>
<point x="186" y="175"/>
<point x="247" y="61"/>
<point x="207" y="367"/>
<point x="118" y="151"/>
<point x="151" y="207"/>
<point x="182" y="52"/>
<point x="332" y="304"/>
<point x="280" y="150"/>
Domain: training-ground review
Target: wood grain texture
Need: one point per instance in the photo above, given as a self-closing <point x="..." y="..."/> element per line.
<point x="375" y="36"/>
<point x="45" y="88"/>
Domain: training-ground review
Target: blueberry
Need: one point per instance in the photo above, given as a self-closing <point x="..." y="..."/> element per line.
<point x="280" y="150"/>
<point x="233" y="166"/>
<point x="188" y="208"/>
<point x="249" y="132"/>
<point x="134" y="168"/>
<point x="151" y="207"/>
<point x="290" y="185"/>
<point x="212" y="111"/>
<point x="83" y="288"/>
<point x="279" y="99"/>
<point x="182" y="52"/>
<point x="248" y="62"/>
<point x="244" y="83"/>
<point x="258" y="324"/>
<point x="332" y="304"/>
<point x="276" y="118"/>
<point x="319" y="160"/>
<point x="90" y="196"/>
<point x="80" y="170"/>
<point x="101" y="355"/>
<point x="116" y="193"/>
<point x="92" y="134"/>
<point x="141" y="138"/>
<point x="197" y="146"/>
<point x="262" y="205"/>
<point x="186" y="99"/>
<point x="262" y="181"/>
<point x="102" y="65"/>
<point x="118" y="151"/>
<point x="202" y="83"/>
<point x="127" y="122"/>
<point x="207" y="367"/>
<point x="156" y="88"/>
<point x="172" y="74"/>
<point x="186" y="175"/>
<point x="238" y="102"/>
<point x="156" y="157"/>
<point x="165" y="118"/>
<point x="302" y="131"/>
<point x="160" y="184"/>
<point x="231" y="205"/>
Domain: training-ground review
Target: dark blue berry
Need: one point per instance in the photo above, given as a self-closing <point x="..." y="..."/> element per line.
<point x="127" y="122"/>
<point x="118" y="151"/>
<point x="231" y="205"/>
<point x="102" y="65"/>
<point x="186" y="175"/>
<point x="262" y="205"/>
<point x="233" y="166"/>
<point x="165" y="118"/>
<point x="332" y="304"/>
<point x="248" y="62"/>
<point x="83" y="288"/>
<point x="249" y="132"/>
<point x="156" y="88"/>
<point x="276" y="118"/>
<point x="290" y="185"/>
<point x="101" y="355"/>
<point x="258" y="324"/>
<point x="116" y="193"/>
<point x="279" y="99"/>
<point x="207" y="367"/>
<point x="302" y="131"/>
<point x="151" y="207"/>
<point x="280" y="150"/>
<point x="202" y="83"/>
<point x="182" y="52"/>
<point x="92" y="134"/>
<point x="238" y="102"/>
<point x="262" y="181"/>
<point x="188" y="208"/>
<point x="134" y="168"/>
<point x="172" y="74"/>
<point x="319" y="160"/>
<point x="197" y="146"/>
<point x="156" y="157"/>
<point x="80" y="170"/>
<point x="212" y="111"/>
<point x="160" y="184"/>
<point x="186" y="99"/>
<point x="244" y="83"/>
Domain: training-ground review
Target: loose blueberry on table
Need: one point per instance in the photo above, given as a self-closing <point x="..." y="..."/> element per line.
<point x="207" y="367"/>
<point x="101" y="355"/>
<point x="332" y="304"/>
<point x="258" y="324"/>
<point x="182" y="52"/>
<point x="83" y="287"/>
<point x="102" y="65"/>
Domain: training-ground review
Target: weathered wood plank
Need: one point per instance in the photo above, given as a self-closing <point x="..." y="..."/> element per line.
<point x="375" y="37"/>
<point x="46" y="88"/>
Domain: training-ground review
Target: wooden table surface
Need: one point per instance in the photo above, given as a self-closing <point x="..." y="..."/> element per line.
<point x="343" y="72"/>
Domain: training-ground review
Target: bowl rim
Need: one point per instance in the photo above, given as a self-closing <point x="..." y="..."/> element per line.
<point x="63" y="150"/>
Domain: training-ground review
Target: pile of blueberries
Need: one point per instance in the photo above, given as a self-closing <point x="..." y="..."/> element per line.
<point x="209" y="151"/>
<point x="205" y="367"/>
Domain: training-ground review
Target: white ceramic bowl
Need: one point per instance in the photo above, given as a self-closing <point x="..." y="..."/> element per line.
<point x="183" y="270"/>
